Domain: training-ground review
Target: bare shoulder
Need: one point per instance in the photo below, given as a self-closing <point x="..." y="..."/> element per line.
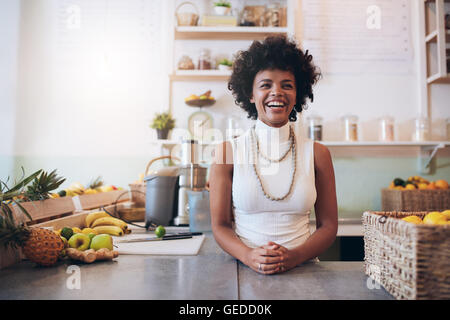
<point x="322" y="156"/>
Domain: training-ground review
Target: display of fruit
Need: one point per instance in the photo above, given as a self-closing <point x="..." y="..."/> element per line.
<point x="39" y="245"/>
<point x="417" y="182"/>
<point x="102" y="241"/>
<point x="431" y="218"/>
<point x="77" y="189"/>
<point x="79" y="241"/>
<point x="102" y="222"/>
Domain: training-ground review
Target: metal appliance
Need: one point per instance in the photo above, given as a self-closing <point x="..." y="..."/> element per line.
<point x="192" y="177"/>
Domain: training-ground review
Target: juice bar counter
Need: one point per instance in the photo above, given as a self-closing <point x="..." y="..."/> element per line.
<point x="210" y="275"/>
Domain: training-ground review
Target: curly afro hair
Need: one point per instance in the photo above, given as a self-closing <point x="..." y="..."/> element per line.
<point x="275" y="52"/>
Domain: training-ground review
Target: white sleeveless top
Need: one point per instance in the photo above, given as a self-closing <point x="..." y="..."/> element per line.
<point x="258" y="219"/>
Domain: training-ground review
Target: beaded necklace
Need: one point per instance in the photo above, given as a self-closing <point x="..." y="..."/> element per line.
<point x="292" y="147"/>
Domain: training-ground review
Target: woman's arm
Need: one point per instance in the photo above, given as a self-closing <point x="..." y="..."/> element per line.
<point x="326" y="213"/>
<point x="221" y="177"/>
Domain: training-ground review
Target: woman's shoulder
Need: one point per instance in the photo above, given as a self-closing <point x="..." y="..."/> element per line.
<point x="322" y="155"/>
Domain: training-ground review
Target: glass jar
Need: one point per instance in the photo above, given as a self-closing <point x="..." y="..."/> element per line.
<point x="204" y="60"/>
<point x="350" y="127"/>
<point x="272" y="15"/>
<point x="314" y="124"/>
<point x="185" y="63"/>
<point x="386" y="129"/>
<point x="421" y="129"/>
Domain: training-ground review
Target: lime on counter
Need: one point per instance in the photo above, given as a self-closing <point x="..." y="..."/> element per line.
<point x="160" y="231"/>
<point x="66" y="232"/>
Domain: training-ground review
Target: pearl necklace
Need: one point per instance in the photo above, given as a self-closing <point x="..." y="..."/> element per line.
<point x="256" y="152"/>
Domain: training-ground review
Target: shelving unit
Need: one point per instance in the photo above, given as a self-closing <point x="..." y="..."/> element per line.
<point x="225" y="33"/>
<point x="437" y="40"/>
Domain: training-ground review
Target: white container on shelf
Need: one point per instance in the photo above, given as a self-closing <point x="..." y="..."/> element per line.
<point x="421" y="131"/>
<point x="386" y="129"/>
<point x="350" y="123"/>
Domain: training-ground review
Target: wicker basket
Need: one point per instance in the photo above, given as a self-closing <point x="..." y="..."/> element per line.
<point x="410" y="261"/>
<point x="415" y="200"/>
<point x="187" y="18"/>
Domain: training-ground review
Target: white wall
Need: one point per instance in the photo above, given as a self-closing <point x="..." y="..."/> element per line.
<point x="9" y="31"/>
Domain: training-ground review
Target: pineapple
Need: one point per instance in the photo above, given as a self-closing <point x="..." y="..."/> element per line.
<point x="39" y="245"/>
<point x="41" y="186"/>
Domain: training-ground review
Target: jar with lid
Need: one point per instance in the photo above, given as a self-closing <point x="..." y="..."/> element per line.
<point x="350" y="123"/>
<point x="185" y="63"/>
<point x="386" y="129"/>
<point x="421" y="129"/>
<point x="314" y="125"/>
<point x="272" y="15"/>
<point x="204" y="60"/>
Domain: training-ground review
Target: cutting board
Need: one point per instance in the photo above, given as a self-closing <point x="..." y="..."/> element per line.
<point x="189" y="247"/>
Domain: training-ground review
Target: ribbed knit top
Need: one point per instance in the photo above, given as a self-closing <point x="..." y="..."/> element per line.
<point x="258" y="219"/>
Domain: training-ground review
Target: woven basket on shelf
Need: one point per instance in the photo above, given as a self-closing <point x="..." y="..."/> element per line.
<point x="410" y="261"/>
<point x="415" y="200"/>
<point x="187" y="18"/>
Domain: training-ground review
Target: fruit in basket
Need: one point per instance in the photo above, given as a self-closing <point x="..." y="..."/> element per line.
<point x="399" y="182"/>
<point x="431" y="186"/>
<point x="79" y="241"/>
<point x="435" y="217"/>
<point x="67" y="232"/>
<point x="102" y="241"/>
<point x="91" y="217"/>
<point x="413" y="219"/>
<point x="112" y="230"/>
<point x="441" y="184"/>
<point x="410" y="186"/>
<point x="110" y="221"/>
<point x="446" y="213"/>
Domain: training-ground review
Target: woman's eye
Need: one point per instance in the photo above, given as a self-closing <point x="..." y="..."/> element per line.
<point x="265" y="85"/>
<point x="288" y="86"/>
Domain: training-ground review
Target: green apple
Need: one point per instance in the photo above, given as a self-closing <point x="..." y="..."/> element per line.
<point x="91" y="235"/>
<point x="102" y="241"/>
<point x="79" y="241"/>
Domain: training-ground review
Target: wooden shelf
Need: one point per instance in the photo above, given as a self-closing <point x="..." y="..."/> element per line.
<point x="228" y="33"/>
<point x="437" y="78"/>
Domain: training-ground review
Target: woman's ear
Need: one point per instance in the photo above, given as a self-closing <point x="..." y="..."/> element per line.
<point x="252" y="100"/>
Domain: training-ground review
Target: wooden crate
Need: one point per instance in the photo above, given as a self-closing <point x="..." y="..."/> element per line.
<point x="97" y="200"/>
<point x="44" y="210"/>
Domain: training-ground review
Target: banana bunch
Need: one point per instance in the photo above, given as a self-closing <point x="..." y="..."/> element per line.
<point x="75" y="189"/>
<point x="102" y="222"/>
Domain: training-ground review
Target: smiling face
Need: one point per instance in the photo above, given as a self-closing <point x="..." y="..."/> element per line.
<point x="274" y="95"/>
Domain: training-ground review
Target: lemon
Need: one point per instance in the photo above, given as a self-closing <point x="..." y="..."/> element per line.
<point x="76" y="230"/>
<point x="413" y="219"/>
<point x="446" y="213"/>
<point x="434" y="217"/>
<point x="160" y="231"/>
<point x="410" y="186"/>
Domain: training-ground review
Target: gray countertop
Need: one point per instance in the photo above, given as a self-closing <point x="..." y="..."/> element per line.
<point x="211" y="275"/>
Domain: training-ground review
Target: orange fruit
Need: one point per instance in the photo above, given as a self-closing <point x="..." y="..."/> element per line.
<point x="392" y="185"/>
<point x="431" y="186"/>
<point x="441" y="184"/>
<point x="410" y="186"/>
<point x="422" y="186"/>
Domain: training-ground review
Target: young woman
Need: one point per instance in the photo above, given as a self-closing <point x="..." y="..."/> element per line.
<point x="262" y="190"/>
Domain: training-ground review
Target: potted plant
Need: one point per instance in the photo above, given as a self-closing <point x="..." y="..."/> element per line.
<point x="225" y="64"/>
<point x="163" y="123"/>
<point x="222" y="7"/>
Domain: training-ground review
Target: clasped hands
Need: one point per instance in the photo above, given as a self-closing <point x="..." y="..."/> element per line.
<point x="270" y="259"/>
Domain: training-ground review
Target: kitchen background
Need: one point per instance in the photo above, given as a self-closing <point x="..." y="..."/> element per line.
<point x="81" y="81"/>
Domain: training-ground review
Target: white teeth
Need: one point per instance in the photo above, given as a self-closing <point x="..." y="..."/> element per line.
<point x="275" y="104"/>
